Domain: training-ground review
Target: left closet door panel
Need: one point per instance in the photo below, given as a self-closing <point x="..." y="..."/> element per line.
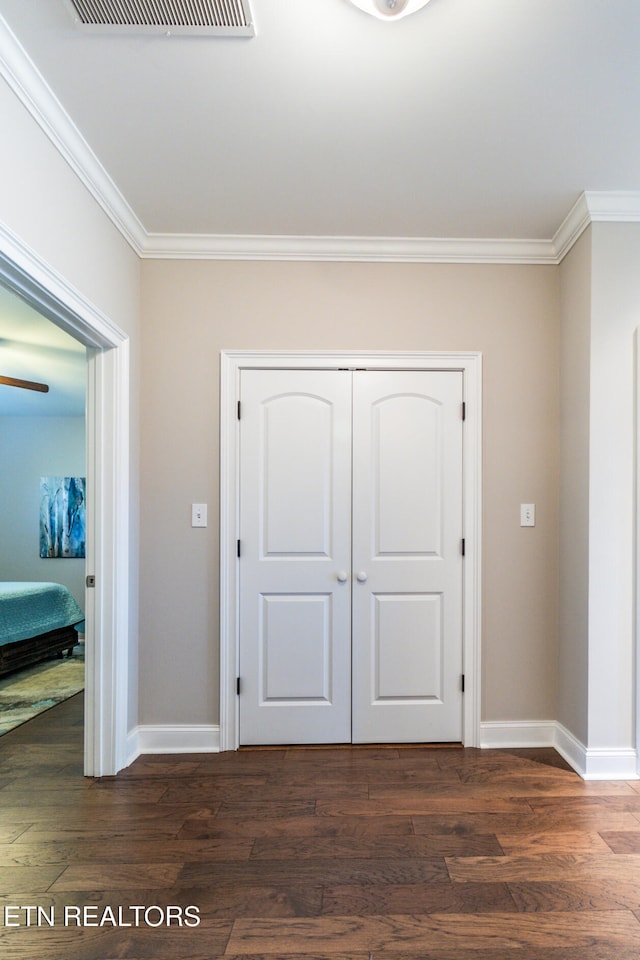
<point x="295" y="573"/>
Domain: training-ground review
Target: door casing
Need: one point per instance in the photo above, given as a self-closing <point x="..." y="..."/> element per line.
<point x="232" y="362"/>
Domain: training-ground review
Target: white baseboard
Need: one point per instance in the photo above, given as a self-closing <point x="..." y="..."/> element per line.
<point x="179" y="738"/>
<point x="611" y="765"/>
<point x="569" y="747"/>
<point x="533" y="733"/>
<point x="590" y="764"/>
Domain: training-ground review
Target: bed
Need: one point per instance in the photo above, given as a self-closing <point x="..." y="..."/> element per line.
<point x="37" y="621"/>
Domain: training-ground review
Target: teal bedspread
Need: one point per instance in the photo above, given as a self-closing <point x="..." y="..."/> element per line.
<point x="28" y="609"/>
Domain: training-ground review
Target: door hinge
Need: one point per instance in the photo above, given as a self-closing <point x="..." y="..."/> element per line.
<point x="238" y="686"/>
<point x="238" y="409"/>
<point x="464" y="410"/>
<point x="462" y="546"/>
<point x="462" y="682"/>
<point x="90" y="581"/>
<point x="238" y="548"/>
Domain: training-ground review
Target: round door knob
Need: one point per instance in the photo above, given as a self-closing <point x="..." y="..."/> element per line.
<point x="361" y="577"/>
<point x="342" y="577"/>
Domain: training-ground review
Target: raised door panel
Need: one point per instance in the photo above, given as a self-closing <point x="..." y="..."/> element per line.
<point x="296" y="437"/>
<point x="408" y="650"/>
<point x="406" y="476"/>
<point x="297" y="672"/>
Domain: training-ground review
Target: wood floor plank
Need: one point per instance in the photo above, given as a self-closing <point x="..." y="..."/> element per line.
<point x="236" y="900"/>
<point x="205" y="942"/>
<point x="131" y="850"/>
<point x="222" y="901"/>
<point x="417" y="898"/>
<point x="114" y="876"/>
<point x="525" y="823"/>
<point x="349" y="755"/>
<point x="393" y="773"/>
<point x="21" y="786"/>
<point x="531" y="757"/>
<point x="331" y="870"/>
<point x="266" y="809"/>
<point x="150" y="767"/>
<point x="78" y="794"/>
<point x="157" y="830"/>
<point x="559" y="841"/>
<point x="292" y="827"/>
<point x="622" y="841"/>
<point x="106" y="816"/>
<point x="527" y="772"/>
<point x="597" y="951"/>
<point x="574" y="895"/>
<point x="418" y="804"/>
<point x="507" y="788"/>
<point x="596" y="804"/>
<point x="424" y="936"/>
<point x="280" y="848"/>
<point x="9" y="833"/>
<point x="210" y="790"/>
<point x="21" y="880"/>
<point x="548" y="867"/>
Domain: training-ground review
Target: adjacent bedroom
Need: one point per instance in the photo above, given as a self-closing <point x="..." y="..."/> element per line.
<point x="42" y="513"/>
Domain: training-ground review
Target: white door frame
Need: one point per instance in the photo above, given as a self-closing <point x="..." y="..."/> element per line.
<point x="107" y="419"/>
<point x="232" y="362"/>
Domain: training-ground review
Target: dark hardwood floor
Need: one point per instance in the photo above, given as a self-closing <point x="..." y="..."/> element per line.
<point x="323" y="854"/>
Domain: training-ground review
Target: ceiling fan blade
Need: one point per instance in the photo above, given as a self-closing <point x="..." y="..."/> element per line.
<point x="25" y="384"/>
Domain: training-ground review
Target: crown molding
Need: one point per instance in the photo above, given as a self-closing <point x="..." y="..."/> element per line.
<point x="23" y="77"/>
<point x="613" y="206"/>
<point x="595" y="206"/>
<point x="26" y="81"/>
<point x="352" y="249"/>
<point x="571" y="228"/>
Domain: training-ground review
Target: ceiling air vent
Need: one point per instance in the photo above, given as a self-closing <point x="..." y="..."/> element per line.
<point x="218" y="18"/>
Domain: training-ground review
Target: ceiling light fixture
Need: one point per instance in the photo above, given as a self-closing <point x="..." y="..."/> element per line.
<point x="389" y="9"/>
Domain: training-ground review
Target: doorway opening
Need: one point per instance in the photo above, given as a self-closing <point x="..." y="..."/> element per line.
<point x="24" y="273"/>
<point x="42" y="439"/>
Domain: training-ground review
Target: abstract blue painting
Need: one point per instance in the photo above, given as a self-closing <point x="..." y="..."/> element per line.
<point x="62" y="517"/>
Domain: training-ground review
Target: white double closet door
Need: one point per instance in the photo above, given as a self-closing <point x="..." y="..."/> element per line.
<point x="351" y="561"/>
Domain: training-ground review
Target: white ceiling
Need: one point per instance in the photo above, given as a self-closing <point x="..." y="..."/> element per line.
<point x="469" y="119"/>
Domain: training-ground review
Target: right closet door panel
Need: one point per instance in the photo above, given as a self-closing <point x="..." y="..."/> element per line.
<point x="407" y="556"/>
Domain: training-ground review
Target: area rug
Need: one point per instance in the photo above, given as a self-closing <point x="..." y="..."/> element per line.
<point x="27" y="693"/>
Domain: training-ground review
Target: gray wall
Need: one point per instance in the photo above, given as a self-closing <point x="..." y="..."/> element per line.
<point x="192" y="310"/>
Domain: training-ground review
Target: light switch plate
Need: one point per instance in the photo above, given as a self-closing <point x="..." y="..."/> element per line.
<point x="527" y="514"/>
<point x="198" y="514"/>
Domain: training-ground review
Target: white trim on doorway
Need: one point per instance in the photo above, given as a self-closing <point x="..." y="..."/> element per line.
<point x="107" y="606"/>
<point x="232" y="362"/>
